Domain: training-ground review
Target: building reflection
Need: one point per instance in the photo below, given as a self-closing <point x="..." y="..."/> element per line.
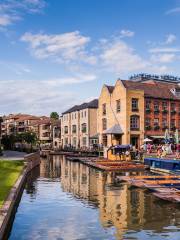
<point x="50" y="168"/>
<point x="119" y="207"/>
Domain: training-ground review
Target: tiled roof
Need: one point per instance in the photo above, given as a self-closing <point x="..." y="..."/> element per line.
<point x="23" y="118"/>
<point x="155" y="89"/>
<point x="91" y="104"/>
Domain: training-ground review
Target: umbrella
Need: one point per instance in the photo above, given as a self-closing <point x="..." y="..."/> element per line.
<point x="176" y="136"/>
<point x="147" y="140"/>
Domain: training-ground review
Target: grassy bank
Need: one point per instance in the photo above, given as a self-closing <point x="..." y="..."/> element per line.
<point x="9" y="173"/>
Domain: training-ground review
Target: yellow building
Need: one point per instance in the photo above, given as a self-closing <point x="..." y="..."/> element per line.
<point x="120" y="115"/>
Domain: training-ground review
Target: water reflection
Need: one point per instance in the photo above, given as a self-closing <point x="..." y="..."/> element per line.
<point x="125" y="209"/>
<point x="117" y="212"/>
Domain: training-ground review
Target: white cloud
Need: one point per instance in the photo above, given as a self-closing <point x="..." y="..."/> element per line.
<point x="13" y="10"/>
<point x="119" y="57"/>
<point x="164" y="50"/>
<point x="63" y="48"/>
<point x="39" y="96"/>
<point x="173" y="10"/>
<point x="170" y="39"/>
<point x="126" y="33"/>
<point x="163" y="58"/>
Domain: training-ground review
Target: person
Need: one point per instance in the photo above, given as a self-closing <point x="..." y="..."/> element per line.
<point x="127" y="153"/>
<point x="163" y="151"/>
<point x="177" y="150"/>
<point x="149" y="148"/>
<point x="159" y="150"/>
<point x="145" y="147"/>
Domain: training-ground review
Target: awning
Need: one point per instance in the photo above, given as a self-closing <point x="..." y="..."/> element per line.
<point x="116" y="129"/>
<point x="158" y="137"/>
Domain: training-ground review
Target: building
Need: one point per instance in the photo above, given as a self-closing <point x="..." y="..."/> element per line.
<point x="56" y="133"/>
<point x="18" y="123"/>
<point x="138" y="108"/>
<point x="79" y="125"/>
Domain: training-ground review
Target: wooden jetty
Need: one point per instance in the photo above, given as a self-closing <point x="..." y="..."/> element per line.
<point x="166" y="187"/>
<point x="105" y="165"/>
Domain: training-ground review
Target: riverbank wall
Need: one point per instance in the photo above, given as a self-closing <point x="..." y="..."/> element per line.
<point x="10" y="205"/>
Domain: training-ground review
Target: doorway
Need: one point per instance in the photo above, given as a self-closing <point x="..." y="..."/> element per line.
<point x="134" y="141"/>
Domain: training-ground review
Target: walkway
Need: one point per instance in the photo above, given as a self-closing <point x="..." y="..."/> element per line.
<point x="13" y="155"/>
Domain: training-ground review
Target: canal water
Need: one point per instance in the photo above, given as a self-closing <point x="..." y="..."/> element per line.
<point x="68" y="200"/>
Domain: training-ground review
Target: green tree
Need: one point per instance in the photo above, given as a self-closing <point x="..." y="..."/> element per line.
<point x="54" y="115"/>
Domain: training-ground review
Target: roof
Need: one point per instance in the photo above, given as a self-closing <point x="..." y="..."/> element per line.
<point x="110" y="88"/>
<point x="116" y="129"/>
<point x="23" y="118"/>
<point x="42" y="121"/>
<point x="91" y="104"/>
<point x="153" y="89"/>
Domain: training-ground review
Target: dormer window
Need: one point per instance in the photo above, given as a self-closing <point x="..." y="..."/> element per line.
<point x="176" y="91"/>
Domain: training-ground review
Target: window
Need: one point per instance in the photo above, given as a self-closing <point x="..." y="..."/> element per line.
<point x="147" y="122"/>
<point x="148" y="104"/>
<point x="75" y="115"/>
<point x="66" y="141"/>
<point x="173" y="123"/>
<point x="173" y="107"/>
<point x="66" y="129"/>
<point x="84" y="113"/>
<point x="118" y="105"/>
<point x="156" y="106"/>
<point x="72" y="115"/>
<point x="73" y="128"/>
<point x="104" y="109"/>
<point x="156" y="122"/>
<point x="164" y="106"/>
<point x="164" y="123"/>
<point x="104" y="124"/>
<point x="74" y="141"/>
<point x="134" y="122"/>
<point x="134" y="104"/>
<point x="83" y="128"/>
<point x="84" y="141"/>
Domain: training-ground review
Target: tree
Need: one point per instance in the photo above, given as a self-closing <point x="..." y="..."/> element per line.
<point x="54" y="115"/>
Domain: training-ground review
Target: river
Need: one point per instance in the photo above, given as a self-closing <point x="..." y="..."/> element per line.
<point x="66" y="200"/>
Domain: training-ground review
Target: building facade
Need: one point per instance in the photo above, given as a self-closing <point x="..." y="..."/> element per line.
<point x="79" y="125"/>
<point x="134" y="109"/>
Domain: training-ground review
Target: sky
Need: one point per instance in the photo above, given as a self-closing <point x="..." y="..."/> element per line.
<point x="58" y="53"/>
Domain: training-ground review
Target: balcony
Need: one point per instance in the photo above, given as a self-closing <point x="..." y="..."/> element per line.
<point x="156" y="111"/>
<point x="164" y="111"/>
<point x="156" y="128"/>
<point x="173" y="128"/>
<point x="147" y="128"/>
<point x="173" y="112"/>
<point x="148" y="111"/>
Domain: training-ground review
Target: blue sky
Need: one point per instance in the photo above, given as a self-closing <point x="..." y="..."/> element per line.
<point x="57" y="53"/>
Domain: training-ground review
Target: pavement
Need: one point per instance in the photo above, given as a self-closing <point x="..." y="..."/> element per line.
<point x="13" y="155"/>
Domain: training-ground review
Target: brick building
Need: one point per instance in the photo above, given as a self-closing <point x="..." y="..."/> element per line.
<point x="138" y="108"/>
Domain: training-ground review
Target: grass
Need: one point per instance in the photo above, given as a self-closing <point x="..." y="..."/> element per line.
<point x="9" y="173"/>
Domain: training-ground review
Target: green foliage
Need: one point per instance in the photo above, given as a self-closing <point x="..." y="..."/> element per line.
<point x="9" y="140"/>
<point x="9" y="172"/>
<point x="54" y="115"/>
